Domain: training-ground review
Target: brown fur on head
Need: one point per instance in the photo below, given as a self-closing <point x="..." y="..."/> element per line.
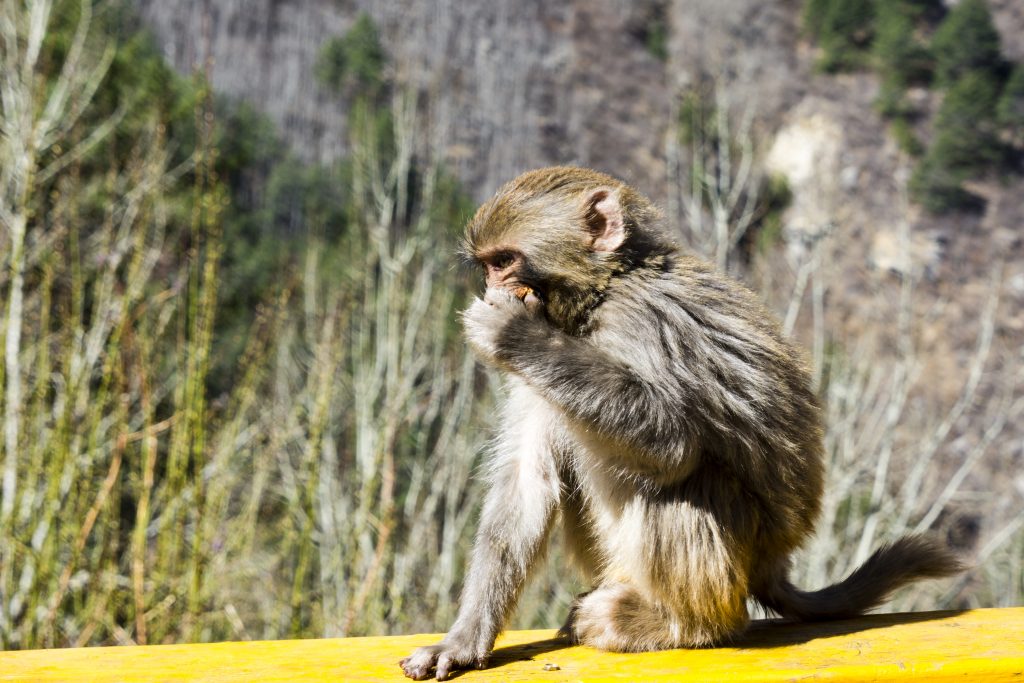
<point x="565" y="232"/>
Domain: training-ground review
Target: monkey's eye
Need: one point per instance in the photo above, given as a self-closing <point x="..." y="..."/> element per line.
<point x="502" y="261"/>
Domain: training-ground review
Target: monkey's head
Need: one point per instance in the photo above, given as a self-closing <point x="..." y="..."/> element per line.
<point x="565" y="233"/>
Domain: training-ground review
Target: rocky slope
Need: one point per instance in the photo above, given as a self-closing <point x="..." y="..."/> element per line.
<point x="504" y="86"/>
<point x="509" y="85"/>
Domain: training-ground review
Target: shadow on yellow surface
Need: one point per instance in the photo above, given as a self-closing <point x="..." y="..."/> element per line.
<point x="768" y="633"/>
<point x="763" y="633"/>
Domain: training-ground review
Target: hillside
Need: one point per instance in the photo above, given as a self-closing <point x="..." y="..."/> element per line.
<point x="505" y="87"/>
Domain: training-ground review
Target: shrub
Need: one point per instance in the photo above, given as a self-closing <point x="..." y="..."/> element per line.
<point x="656" y="39"/>
<point x="776" y="196"/>
<point x="845" y="32"/>
<point x="939" y="188"/>
<point x="814" y="16"/>
<point x="905" y="138"/>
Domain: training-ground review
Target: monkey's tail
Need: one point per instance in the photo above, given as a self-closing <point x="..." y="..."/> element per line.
<point x="890" y="567"/>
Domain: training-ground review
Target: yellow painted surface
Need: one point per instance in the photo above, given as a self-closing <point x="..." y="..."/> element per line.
<point x="979" y="645"/>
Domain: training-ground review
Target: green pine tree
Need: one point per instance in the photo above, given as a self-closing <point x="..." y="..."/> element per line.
<point x="898" y="52"/>
<point x="965" y="127"/>
<point x="966" y="41"/>
<point x="355" y="61"/>
<point x="966" y="143"/>
<point x="940" y="189"/>
<point x="899" y="56"/>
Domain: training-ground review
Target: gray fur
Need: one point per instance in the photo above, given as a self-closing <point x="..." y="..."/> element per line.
<point x="655" y="403"/>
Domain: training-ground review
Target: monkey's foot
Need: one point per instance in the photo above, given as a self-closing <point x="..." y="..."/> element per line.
<point x="606" y="618"/>
<point x="618" y="618"/>
<point x="568" y="630"/>
<point x="441" y="659"/>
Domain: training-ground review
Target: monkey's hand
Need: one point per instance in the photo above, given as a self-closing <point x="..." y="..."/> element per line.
<point x="451" y="654"/>
<point x="487" y="319"/>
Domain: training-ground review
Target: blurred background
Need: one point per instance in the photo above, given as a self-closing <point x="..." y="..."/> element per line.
<point x="235" y="400"/>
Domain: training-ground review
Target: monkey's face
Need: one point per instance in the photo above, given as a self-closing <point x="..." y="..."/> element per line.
<point x="562" y="235"/>
<point x="560" y="275"/>
<point x="551" y="242"/>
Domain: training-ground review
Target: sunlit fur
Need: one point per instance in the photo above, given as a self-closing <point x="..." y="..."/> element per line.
<point x="655" y="404"/>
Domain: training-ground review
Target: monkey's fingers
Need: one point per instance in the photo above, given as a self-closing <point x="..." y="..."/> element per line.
<point x="533" y="303"/>
<point x="529" y="297"/>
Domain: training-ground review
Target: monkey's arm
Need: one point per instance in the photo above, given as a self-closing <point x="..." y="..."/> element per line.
<point x="514" y="525"/>
<point x="604" y="393"/>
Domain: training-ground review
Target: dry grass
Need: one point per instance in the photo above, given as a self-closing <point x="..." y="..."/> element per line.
<point x="332" y="490"/>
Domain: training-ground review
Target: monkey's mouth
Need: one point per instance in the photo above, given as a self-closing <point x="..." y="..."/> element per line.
<point x="527" y="294"/>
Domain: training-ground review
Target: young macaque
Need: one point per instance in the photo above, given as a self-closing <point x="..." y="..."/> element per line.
<point x="654" y="408"/>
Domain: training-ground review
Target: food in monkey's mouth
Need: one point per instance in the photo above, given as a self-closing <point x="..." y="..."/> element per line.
<point x="522" y="291"/>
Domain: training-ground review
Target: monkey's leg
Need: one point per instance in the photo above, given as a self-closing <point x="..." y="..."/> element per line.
<point x="617" y="618"/>
<point x="581" y="539"/>
<point x="677" y="569"/>
<point x="581" y="542"/>
<point x="514" y="525"/>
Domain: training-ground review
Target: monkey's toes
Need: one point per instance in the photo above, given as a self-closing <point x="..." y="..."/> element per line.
<point x="450" y="661"/>
<point x="440" y="661"/>
<point x="420" y="664"/>
<point x="568" y="629"/>
<point x="444" y="666"/>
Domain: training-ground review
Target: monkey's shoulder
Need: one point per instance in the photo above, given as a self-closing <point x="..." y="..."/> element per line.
<point x="689" y="293"/>
<point x="690" y="310"/>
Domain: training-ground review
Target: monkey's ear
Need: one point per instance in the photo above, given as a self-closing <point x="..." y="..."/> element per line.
<point x="604" y="220"/>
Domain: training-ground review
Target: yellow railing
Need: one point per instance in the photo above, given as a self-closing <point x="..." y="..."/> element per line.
<point x="978" y="645"/>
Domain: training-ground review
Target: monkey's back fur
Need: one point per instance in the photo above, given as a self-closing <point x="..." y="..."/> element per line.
<point x="656" y="409"/>
<point x="737" y="479"/>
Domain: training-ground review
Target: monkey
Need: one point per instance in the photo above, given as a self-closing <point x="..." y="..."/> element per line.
<point x="656" y="410"/>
